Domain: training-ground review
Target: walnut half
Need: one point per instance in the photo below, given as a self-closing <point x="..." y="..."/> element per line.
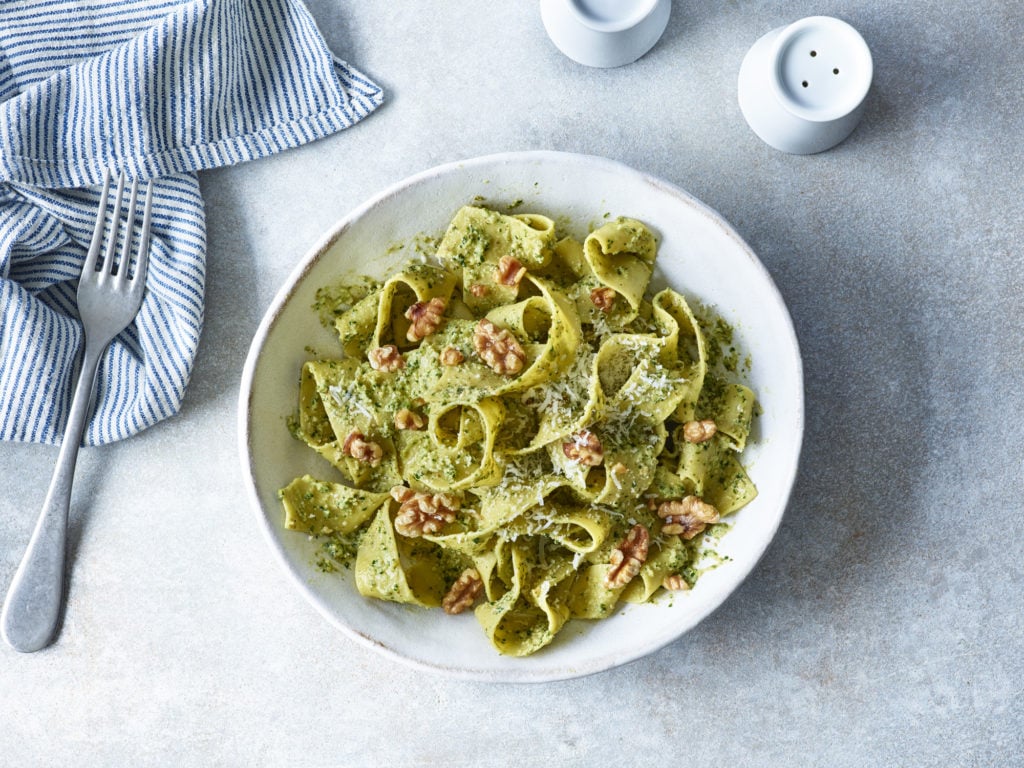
<point x="687" y="517"/>
<point x="630" y="556"/>
<point x="463" y="592"/>
<point x="451" y="356"/>
<point x="603" y="298"/>
<point x="585" y="448"/>
<point x="387" y="358"/>
<point x="675" y="583"/>
<point x="498" y="348"/>
<point x="510" y="271"/>
<point x="422" y="513"/>
<point x="424" y="318"/>
<point x="699" y="431"/>
<point x="359" y="448"/>
<point x="407" y="419"/>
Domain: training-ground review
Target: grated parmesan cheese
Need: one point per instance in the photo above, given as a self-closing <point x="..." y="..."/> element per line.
<point x="345" y="398"/>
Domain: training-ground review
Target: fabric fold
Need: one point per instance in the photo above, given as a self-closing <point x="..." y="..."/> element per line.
<point x="160" y="90"/>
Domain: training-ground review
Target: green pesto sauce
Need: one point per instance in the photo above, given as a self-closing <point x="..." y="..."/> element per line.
<point x="334" y="299"/>
<point x="720" y="344"/>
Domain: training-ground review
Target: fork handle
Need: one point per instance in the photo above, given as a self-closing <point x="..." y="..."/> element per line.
<point x="32" y="608"/>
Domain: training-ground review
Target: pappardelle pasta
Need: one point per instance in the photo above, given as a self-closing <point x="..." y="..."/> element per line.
<point x="520" y="430"/>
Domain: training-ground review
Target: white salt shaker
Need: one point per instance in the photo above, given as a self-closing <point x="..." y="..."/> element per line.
<point x="605" y="33"/>
<point x="802" y="87"/>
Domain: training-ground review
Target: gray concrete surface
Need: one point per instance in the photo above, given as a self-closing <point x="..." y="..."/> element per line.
<point x="883" y="627"/>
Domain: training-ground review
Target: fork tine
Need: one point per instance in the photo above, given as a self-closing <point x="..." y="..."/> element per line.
<point x="142" y="261"/>
<point x="126" y="250"/>
<point x="115" y="228"/>
<point x="97" y="234"/>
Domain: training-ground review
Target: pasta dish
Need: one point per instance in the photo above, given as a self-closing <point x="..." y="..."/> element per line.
<point x="520" y="429"/>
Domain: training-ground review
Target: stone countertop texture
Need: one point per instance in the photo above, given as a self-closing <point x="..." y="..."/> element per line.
<point x="884" y="625"/>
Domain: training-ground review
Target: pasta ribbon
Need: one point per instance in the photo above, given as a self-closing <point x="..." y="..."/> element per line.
<point x="476" y="240"/>
<point x="390" y="567"/>
<point x="528" y="615"/>
<point x="380" y="318"/>
<point x="460" y="452"/>
<point x="318" y="507"/>
<point x="620" y="256"/>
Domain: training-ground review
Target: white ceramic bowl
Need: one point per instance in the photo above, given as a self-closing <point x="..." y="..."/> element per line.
<point x="700" y="255"/>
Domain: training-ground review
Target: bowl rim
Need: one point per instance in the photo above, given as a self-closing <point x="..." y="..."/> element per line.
<point x="597" y="663"/>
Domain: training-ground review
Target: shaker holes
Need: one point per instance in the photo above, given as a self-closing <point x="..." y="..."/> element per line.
<point x="834" y="71"/>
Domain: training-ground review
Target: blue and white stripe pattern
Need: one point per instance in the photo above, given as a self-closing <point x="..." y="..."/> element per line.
<point x="160" y="89"/>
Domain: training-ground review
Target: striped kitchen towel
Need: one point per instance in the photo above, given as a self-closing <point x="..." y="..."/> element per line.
<point x="159" y="89"/>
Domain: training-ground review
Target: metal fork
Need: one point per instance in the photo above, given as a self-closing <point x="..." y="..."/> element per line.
<point x="108" y="300"/>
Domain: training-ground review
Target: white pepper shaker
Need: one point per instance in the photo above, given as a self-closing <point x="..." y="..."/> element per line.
<point x="605" y="33"/>
<point x="802" y="87"/>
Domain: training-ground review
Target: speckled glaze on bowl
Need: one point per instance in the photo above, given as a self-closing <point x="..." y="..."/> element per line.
<point x="700" y="255"/>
